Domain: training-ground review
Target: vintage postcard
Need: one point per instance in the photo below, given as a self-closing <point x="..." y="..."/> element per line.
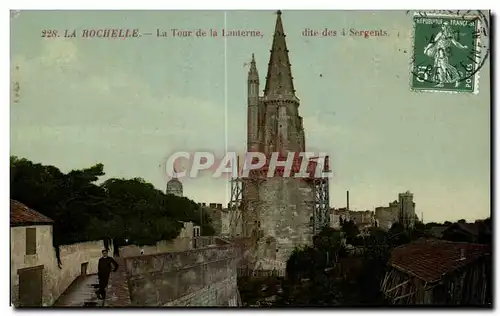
<point x="250" y="158"/>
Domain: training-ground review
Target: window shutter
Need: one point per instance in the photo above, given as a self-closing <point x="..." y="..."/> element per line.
<point x="31" y="241"/>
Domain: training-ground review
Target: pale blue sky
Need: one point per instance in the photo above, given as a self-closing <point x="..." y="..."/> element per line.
<point x="130" y="103"/>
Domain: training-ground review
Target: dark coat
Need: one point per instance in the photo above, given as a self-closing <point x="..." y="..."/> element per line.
<point x="106" y="265"/>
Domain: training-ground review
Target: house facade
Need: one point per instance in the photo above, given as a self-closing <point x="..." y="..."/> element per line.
<point x="31" y="255"/>
<point x="37" y="277"/>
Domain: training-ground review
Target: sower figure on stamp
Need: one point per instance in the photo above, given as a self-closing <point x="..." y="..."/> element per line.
<point x="439" y="49"/>
<point x="106" y="265"/>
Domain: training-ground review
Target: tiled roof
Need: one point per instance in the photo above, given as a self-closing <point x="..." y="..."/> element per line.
<point x="20" y="214"/>
<point x="472" y="228"/>
<point x="430" y="260"/>
<point x="437" y="231"/>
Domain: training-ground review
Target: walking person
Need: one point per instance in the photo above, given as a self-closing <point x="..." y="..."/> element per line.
<point x="106" y="265"/>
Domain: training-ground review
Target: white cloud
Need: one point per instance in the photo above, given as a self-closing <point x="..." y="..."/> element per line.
<point x="70" y="117"/>
<point x="59" y="53"/>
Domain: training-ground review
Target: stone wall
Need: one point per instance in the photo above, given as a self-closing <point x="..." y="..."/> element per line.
<point x="201" y="277"/>
<point x="72" y="257"/>
<point x="214" y="210"/>
<point x="222" y="293"/>
<point x="182" y="242"/>
<point x="336" y="214"/>
<point x="387" y="215"/>
<point x="178" y="244"/>
<point x="55" y="279"/>
<point x="285" y="214"/>
<point x="162" y="246"/>
<point x="231" y="223"/>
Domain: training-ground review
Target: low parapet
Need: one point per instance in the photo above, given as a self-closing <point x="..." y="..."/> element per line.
<point x="215" y="206"/>
<point x="183" y="278"/>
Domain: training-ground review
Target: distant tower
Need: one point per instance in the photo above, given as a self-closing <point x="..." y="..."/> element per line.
<point x="253" y="143"/>
<point x="174" y="187"/>
<point x="406" y="210"/>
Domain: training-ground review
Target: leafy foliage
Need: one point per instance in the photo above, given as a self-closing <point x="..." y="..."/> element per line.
<point x="350" y="230"/>
<point x="127" y="210"/>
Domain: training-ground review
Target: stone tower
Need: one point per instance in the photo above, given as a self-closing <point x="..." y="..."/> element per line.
<point x="406" y="210"/>
<point x="277" y="211"/>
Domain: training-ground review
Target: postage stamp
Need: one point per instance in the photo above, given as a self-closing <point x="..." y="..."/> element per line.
<point x="449" y="49"/>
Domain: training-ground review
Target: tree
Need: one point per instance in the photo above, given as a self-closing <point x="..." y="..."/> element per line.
<point x="398" y="235"/>
<point x="350" y="230"/>
<point x="120" y="209"/>
<point x="485" y="231"/>
<point x="317" y="289"/>
<point x="419" y="226"/>
<point x="433" y="224"/>
<point x="329" y="242"/>
<point x="364" y="289"/>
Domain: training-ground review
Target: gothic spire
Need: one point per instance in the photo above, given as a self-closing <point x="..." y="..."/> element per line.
<point x="253" y="74"/>
<point x="279" y="74"/>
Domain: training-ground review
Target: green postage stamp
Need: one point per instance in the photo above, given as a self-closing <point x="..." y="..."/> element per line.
<point x="449" y="49"/>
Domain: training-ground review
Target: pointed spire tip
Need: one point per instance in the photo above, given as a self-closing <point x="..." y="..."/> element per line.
<point x="279" y="75"/>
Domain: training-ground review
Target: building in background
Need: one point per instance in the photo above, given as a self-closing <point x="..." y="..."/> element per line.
<point x="231" y="224"/>
<point x="215" y="211"/>
<point x="433" y="272"/>
<point x="399" y="211"/>
<point x="174" y="187"/>
<point x="407" y="215"/>
<point x="362" y="219"/>
<point x="337" y="216"/>
<point x="386" y="216"/>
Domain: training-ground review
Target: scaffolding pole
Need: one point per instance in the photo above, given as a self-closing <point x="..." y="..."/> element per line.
<point x="321" y="201"/>
<point x="235" y="205"/>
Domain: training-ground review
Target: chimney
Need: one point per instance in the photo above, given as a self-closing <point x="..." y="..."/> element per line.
<point x="347" y="200"/>
<point x="238" y="166"/>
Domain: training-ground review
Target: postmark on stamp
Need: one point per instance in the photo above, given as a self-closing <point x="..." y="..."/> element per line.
<point x="449" y="49"/>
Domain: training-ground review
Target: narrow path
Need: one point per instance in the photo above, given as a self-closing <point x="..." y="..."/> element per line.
<point x="81" y="293"/>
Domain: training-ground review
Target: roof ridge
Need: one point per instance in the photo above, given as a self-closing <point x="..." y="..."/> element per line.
<point x="22" y="214"/>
